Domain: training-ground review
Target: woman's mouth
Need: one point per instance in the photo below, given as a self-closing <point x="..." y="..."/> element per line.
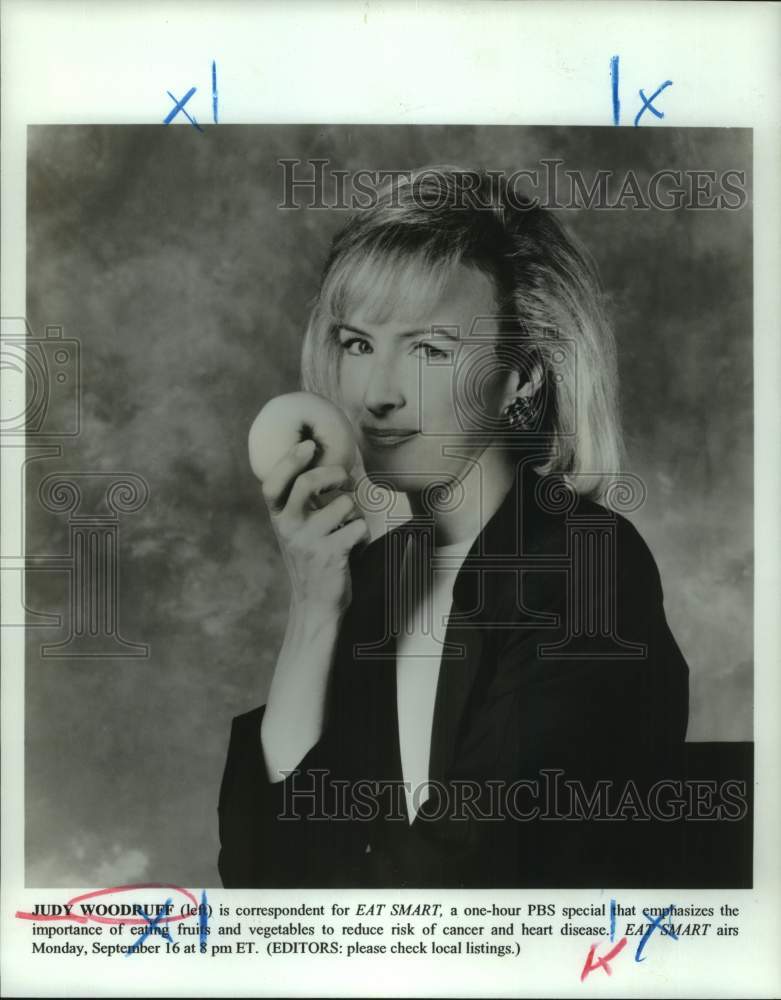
<point x="388" y="438"/>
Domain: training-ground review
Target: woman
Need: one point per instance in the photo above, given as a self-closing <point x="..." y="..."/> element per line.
<point x="450" y="699"/>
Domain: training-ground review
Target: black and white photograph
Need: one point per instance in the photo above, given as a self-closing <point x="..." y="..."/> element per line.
<point x="404" y="534"/>
<point x="388" y="425"/>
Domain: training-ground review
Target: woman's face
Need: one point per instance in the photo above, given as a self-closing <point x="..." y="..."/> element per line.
<point x="425" y="390"/>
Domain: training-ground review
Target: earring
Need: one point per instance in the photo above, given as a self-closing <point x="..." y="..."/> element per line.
<point x="519" y="414"/>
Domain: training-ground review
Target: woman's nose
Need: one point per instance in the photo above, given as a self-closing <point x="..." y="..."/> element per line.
<point x="383" y="391"/>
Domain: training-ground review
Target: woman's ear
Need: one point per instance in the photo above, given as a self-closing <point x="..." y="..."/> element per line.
<point x="524" y="385"/>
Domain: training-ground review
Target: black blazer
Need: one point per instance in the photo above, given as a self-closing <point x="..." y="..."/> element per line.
<point x="559" y="671"/>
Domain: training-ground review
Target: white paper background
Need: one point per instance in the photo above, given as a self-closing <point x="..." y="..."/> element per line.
<point x="481" y="62"/>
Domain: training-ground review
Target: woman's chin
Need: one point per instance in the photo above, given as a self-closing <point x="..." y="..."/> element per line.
<point x="409" y="480"/>
<point x="390" y="479"/>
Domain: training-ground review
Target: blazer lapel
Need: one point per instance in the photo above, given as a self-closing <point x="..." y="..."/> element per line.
<point x="375" y="622"/>
<point x="482" y="592"/>
<point x="457" y="675"/>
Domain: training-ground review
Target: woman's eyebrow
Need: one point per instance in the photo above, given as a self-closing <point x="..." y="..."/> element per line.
<point x="445" y="331"/>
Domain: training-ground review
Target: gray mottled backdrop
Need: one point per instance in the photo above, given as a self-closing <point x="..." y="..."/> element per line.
<point x="163" y="252"/>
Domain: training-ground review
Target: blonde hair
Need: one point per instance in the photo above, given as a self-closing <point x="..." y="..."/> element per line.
<point x="438" y="217"/>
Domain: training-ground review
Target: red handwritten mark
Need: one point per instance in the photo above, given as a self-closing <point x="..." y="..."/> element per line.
<point x="84" y="918"/>
<point x="601" y="963"/>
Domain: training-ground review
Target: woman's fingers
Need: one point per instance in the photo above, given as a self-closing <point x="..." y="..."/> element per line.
<point x="280" y="481"/>
<point x="310" y="483"/>
<point x="324" y="521"/>
<point x="315" y="537"/>
<point x="351" y="534"/>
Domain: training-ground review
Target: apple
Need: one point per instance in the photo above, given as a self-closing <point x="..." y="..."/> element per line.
<point x="297" y="416"/>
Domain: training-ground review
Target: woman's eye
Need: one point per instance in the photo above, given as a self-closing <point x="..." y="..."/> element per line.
<point x="357" y="346"/>
<point x="434" y="352"/>
<point x="349" y="345"/>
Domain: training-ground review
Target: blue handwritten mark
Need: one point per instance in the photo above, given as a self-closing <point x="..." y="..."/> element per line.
<point x="655" y="923"/>
<point x="203" y="921"/>
<point x="179" y="105"/>
<point x="614" y="90"/>
<point x="153" y="926"/>
<point x="648" y="102"/>
<point x="612" y="920"/>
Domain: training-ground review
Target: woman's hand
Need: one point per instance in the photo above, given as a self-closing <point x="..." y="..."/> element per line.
<point x="315" y="542"/>
<point x="316" y="539"/>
